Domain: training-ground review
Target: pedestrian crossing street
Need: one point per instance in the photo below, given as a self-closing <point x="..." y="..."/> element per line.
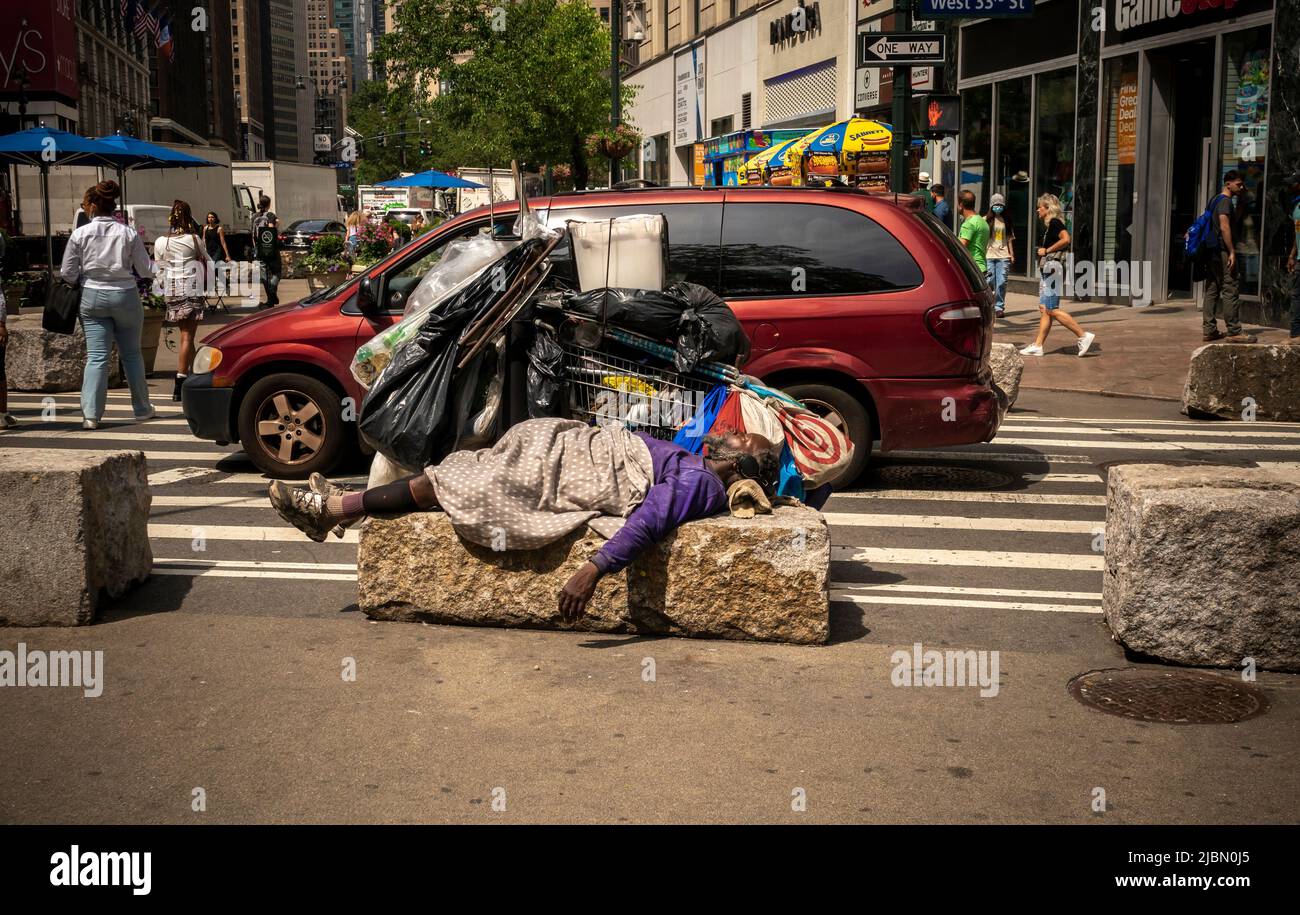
<point x="1012" y="525"/>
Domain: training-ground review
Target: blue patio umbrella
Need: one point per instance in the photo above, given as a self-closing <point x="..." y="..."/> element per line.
<point x="44" y="146"/>
<point x="431" y="178"/>
<point x="152" y="156"/>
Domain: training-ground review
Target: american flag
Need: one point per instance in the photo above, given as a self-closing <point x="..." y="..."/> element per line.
<point x="147" y="23"/>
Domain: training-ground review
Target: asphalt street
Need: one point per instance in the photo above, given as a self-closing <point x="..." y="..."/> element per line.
<point x="223" y="670"/>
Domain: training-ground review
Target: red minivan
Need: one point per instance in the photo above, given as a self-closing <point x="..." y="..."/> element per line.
<point x="868" y="311"/>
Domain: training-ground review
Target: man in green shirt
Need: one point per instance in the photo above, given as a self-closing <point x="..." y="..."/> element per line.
<point x="923" y="191"/>
<point x="974" y="232"/>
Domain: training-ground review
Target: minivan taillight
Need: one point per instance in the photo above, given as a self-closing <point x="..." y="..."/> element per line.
<point x="959" y="326"/>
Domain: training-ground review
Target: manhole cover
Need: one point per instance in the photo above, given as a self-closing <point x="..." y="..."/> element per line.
<point x="917" y="476"/>
<point x="1168" y="696"/>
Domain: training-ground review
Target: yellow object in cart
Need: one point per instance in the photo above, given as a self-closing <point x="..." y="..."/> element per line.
<point x="628" y="385"/>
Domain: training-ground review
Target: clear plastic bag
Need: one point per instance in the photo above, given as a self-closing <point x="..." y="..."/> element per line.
<point x="462" y="261"/>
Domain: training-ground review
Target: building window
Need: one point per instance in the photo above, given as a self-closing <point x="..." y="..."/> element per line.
<point x="1245" y="140"/>
<point x="720" y="127"/>
<point x="1012" y="173"/>
<point x="1055" y="139"/>
<point x="1120" y="158"/>
<point x="654" y="159"/>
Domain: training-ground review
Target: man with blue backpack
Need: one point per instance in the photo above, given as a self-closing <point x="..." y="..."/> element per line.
<point x="1211" y="242"/>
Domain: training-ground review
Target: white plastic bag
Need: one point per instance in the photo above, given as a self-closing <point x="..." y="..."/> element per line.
<point x="462" y="261"/>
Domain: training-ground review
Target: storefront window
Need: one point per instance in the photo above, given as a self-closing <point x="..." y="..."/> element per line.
<point x="1012" y="178"/>
<point x="654" y="159"/>
<point x="977" y="145"/>
<point x="1055" y="150"/>
<point x="1120" y="158"/>
<point x="1245" y="138"/>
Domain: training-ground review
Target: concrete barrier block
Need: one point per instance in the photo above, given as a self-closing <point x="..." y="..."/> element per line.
<point x="75" y="527"/>
<point x="1201" y="563"/>
<point x="764" y="578"/>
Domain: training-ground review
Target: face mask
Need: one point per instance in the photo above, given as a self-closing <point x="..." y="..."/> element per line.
<point x="998" y="209"/>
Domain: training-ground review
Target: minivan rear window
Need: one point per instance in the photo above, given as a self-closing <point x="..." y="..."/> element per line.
<point x="949" y="241"/>
<point x="783" y="249"/>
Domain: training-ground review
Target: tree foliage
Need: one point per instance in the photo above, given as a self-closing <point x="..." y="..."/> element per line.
<point x="527" y="80"/>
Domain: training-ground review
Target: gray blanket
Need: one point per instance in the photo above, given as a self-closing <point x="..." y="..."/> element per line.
<point x="543" y="480"/>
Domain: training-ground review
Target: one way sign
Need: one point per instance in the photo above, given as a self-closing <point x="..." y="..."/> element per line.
<point x="880" y="49"/>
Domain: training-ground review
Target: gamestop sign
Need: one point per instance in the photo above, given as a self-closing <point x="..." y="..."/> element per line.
<point x="1128" y="20"/>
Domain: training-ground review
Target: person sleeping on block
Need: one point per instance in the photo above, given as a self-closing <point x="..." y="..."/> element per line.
<point x="545" y="479"/>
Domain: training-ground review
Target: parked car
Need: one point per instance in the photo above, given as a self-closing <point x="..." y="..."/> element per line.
<point x="303" y="234"/>
<point x="869" y="312"/>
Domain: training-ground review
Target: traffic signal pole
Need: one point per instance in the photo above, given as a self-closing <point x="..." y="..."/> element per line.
<point x="615" y="78"/>
<point x="902" y="138"/>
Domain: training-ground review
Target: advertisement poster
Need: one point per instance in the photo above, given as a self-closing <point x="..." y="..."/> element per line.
<point x="1126" y="119"/>
<point x="688" y="96"/>
<point x="41" y="36"/>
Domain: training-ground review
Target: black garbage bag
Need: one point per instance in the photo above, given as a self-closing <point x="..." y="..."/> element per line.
<point x="407" y="413"/>
<point x="685" y="315"/>
<point x="546" y="376"/>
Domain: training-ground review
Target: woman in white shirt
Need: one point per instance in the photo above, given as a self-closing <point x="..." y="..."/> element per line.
<point x="183" y="269"/>
<point x="101" y="256"/>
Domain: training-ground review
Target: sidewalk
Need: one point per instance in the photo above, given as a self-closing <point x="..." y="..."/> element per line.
<point x="1139" y="352"/>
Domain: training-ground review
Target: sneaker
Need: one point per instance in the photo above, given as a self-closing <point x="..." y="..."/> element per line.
<point x="302" y="508"/>
<point x="999" y="312"/>
<point x="1032" y="349"/>
<point x="1211" y="337"/>
<point x="1085" y="342"/>
<point x="323" y="487"/>
<point x="150" y="415"/>
<point x="7" y="421"/>
<point x="90" y="425"/>
<point x="1241" y="338"/>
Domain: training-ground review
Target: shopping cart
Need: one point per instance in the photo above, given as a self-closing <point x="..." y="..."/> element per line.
<point x="638" y="391"/>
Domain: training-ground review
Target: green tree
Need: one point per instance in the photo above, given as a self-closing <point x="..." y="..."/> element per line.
<point x="527" y="80"/>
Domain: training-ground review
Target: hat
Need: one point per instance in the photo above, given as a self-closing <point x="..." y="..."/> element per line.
<point x="1293" y="178"/>
<point x="923" y="177"/>
<point x="997" y="200"/>
<point x="1021" y="176"/>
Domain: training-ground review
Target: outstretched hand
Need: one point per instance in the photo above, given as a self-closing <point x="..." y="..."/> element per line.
<point x="577" y="592"/>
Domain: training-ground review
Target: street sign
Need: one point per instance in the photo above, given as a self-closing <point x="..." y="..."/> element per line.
<point x="973" y="9"/>
<point x="322" y="142"/>
<point x="883" y="49"/>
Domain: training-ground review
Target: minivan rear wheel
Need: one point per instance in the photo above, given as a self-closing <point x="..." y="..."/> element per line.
<point x="292" y="426"/>
<point x="846" y="413"/>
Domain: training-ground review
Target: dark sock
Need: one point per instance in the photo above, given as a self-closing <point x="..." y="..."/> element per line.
<point x="390" y="499"/>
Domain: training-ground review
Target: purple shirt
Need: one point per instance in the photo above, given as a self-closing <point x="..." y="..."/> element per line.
<point x="683" y="489"/>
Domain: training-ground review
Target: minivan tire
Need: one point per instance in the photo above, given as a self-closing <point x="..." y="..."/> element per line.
<point x="853" y="419"/>
<point x="314" y="410"/>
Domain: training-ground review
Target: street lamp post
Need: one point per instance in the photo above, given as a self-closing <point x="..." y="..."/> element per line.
<point x="615" y="78"/>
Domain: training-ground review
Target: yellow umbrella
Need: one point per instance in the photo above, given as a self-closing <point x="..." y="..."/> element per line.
<point x="759" y="166"/>
<point x="856" y="146"/>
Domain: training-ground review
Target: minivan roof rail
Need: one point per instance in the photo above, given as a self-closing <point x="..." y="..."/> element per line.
<point x="713" y="187"/>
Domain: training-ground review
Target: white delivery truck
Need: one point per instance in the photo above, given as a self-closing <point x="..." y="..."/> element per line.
<point x="297" y="191"/>
<point x="209" y="189"/>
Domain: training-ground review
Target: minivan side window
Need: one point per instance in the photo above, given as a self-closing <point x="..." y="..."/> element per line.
<point x="809" y="249"/>
<point x="694" y="230"/>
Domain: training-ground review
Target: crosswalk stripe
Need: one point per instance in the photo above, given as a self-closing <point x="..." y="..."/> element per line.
<point x="201" y="456"/>
<point x="1070" y="562"/>
<point x="993" y="456"/>
<point x="1146" y="446"/>
<point x="1198" y="423"/>
<point x="974" y="604"/>
<point x="251" y="573"/>
<point x="957" y="523"/>
<point x="945" y="589"/>
<point x="932" y="495"/>
<point x="35" y="402"/>
<point x="177" y="474"/>
<point x="101" y="435"/>
<point x="257" y="564"/>
<point x="284" y="534"/>
<point x="1187" y="433"/>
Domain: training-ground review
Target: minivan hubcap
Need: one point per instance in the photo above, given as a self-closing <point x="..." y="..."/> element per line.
<point x="290" y="427"/>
